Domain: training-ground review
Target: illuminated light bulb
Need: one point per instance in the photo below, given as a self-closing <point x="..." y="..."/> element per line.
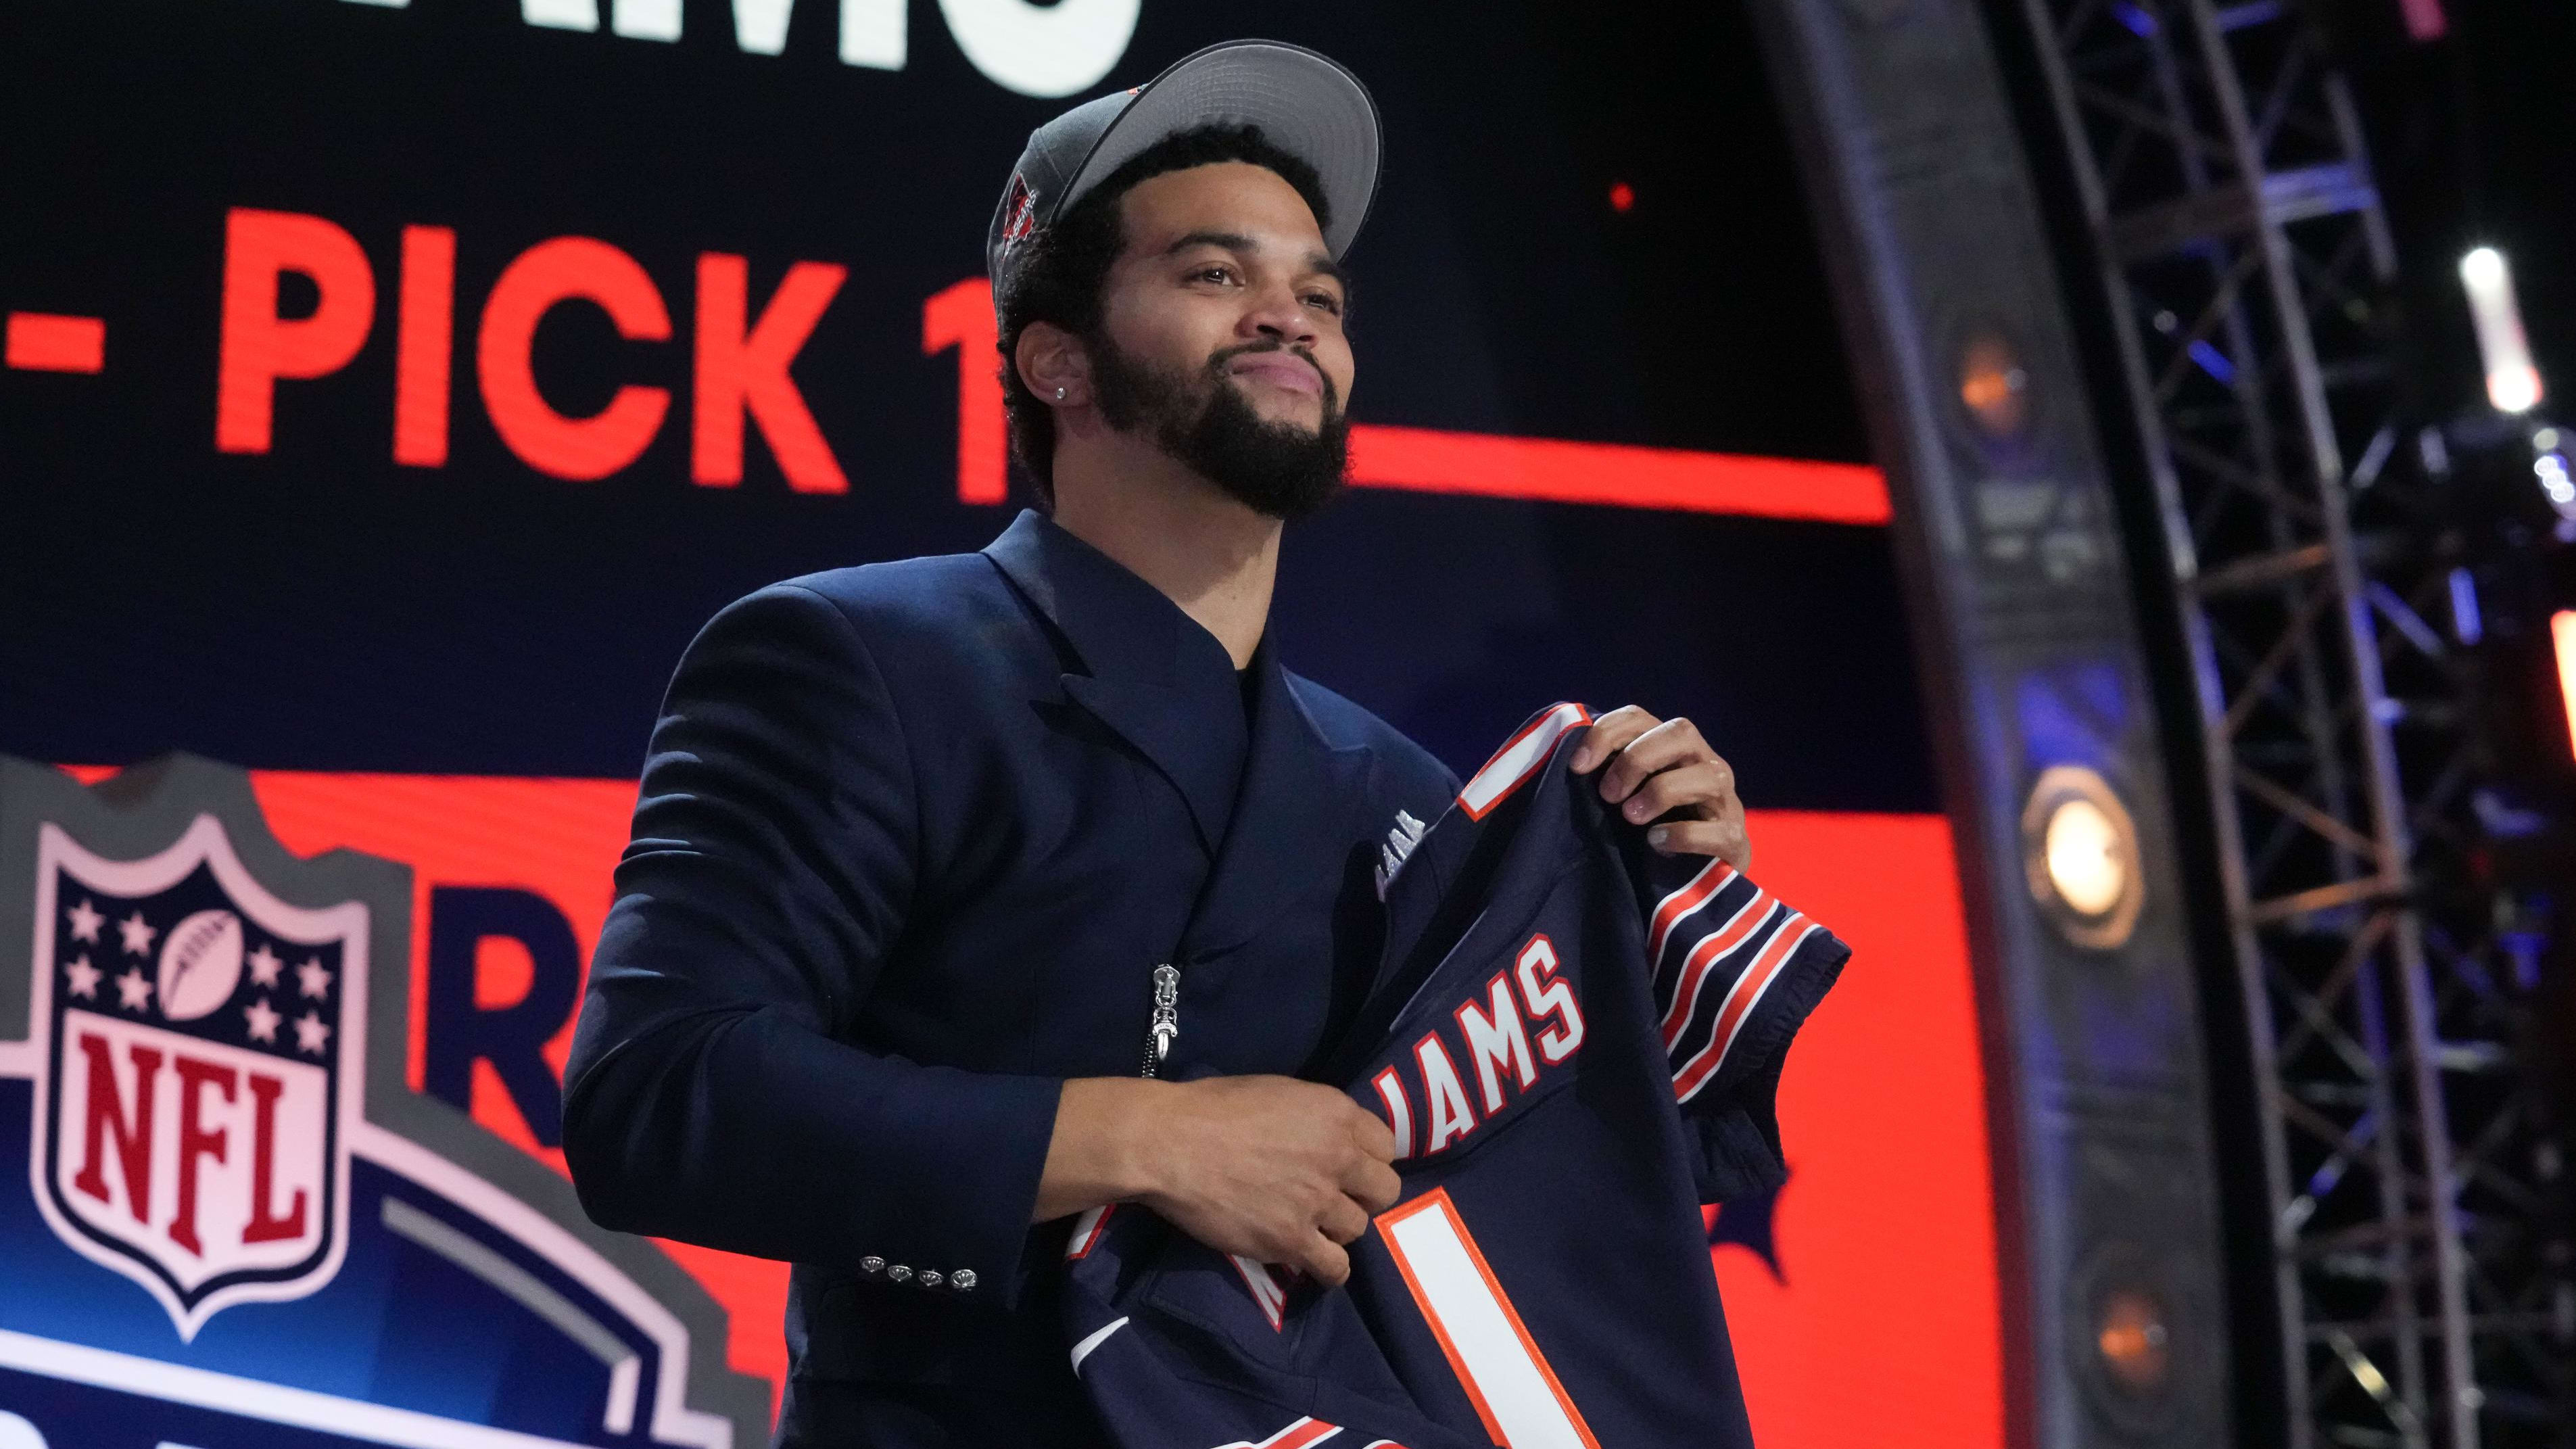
<point x="2513" y="383"/>
<point x="2080" y="857"/>
<point x="2085" y="861"/>
<point x="2514" y="389"/>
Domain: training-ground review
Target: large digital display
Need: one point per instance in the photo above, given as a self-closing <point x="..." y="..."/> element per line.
<point x="390" y="390"/>
<point x="400" y="387"/>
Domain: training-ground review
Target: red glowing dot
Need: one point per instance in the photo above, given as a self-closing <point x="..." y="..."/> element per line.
<point x="1622" y="196"/>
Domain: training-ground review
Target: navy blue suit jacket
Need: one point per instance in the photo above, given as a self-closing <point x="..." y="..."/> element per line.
<point x="911" y="839"/>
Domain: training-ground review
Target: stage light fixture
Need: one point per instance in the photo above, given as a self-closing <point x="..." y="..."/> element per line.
<point x="1994" y="386"/>
<point x="2129" y="1331"/>
<point x="2080" y="857"/>
<point x="2513" y="383"/>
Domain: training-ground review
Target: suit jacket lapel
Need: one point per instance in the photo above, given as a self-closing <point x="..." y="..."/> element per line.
<point x="1293" y="824"/>
<point x="1130" y="639"/>
<point x="1169" y="727"/>
<point x="1293" y="797"/>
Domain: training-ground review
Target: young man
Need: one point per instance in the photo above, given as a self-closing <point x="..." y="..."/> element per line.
<point x="969" y="893"/>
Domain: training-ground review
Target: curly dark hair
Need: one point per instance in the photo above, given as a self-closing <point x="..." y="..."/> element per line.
<point x="1061" y="279"/>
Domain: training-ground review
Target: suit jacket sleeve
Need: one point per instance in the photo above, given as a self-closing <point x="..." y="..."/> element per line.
<point x="712" y="1094"/>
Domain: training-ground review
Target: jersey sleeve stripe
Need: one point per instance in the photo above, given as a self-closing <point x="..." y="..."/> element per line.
<point x="1518" y="759"/>
<point x="1708" y="957"/>
<point x="1724" y="909"/>
<point x="1674" y="908"/>
<point x="1740" y="1005"/>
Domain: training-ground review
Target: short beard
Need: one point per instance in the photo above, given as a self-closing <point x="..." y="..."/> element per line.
<point x="1280" y="470"/>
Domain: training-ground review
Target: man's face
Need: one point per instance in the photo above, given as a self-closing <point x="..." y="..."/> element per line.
<point x="1222" y="335"/>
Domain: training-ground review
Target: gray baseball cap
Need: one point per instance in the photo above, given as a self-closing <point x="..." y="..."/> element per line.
<point x="1305" y="104"/>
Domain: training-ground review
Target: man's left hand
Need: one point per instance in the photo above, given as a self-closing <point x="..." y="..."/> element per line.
<point x="1661" y="770"/>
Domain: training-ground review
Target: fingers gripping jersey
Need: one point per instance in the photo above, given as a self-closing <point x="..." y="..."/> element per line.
<point x="1576" y="1042"/>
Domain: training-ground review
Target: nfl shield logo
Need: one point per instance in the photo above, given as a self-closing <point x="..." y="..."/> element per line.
<point x="200" y="1042"/>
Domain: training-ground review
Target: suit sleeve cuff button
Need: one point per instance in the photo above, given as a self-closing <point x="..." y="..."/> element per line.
<point x="872" y="1265"/>
<point x="899" y="1273"/>
<point x="963" y="1280"/>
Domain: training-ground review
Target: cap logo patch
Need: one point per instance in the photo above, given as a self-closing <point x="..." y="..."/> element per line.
<point x="1019" y="214"/>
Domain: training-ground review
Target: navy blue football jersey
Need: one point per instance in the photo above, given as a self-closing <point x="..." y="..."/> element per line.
<point x="1576" y="1042"/>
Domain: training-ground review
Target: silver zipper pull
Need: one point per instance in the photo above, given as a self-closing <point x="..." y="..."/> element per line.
<point x="1167" y="1015"/>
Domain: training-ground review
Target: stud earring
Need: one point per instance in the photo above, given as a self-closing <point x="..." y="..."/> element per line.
<point x="1059" y="394"/>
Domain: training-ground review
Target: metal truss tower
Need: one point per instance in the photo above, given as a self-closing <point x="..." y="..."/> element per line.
<point x="2422" y="1292"/>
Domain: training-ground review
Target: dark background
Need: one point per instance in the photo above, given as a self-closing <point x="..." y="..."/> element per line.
<point x="321" y="607"/>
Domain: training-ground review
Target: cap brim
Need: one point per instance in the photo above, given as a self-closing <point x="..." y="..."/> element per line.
<point x="1304" y="104"/>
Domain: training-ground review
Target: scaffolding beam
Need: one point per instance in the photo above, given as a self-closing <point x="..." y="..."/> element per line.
<point x="2248" y="263"/>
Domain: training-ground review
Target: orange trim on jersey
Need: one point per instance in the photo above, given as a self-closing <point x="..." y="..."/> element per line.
<point x="1748" y="992"/>
<point x="1302" y="1434"/>
<point x="1548" y="721"/>
<point x="1704" y="957"/>
<point x="1437" y="1200"/>
<point x="1711" y="879"/>
<point x="1087" y="1231"/>
<point x="1314" y="1431"/>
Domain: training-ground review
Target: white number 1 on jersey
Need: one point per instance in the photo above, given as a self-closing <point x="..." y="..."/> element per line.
<point x="1489" y="1348"/>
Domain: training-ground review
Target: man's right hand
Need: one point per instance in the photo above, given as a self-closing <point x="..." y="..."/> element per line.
<point x="1281" y="1171"/>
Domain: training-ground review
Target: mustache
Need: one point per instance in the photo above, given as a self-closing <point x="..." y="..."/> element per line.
<point x="1217" y="361"/>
